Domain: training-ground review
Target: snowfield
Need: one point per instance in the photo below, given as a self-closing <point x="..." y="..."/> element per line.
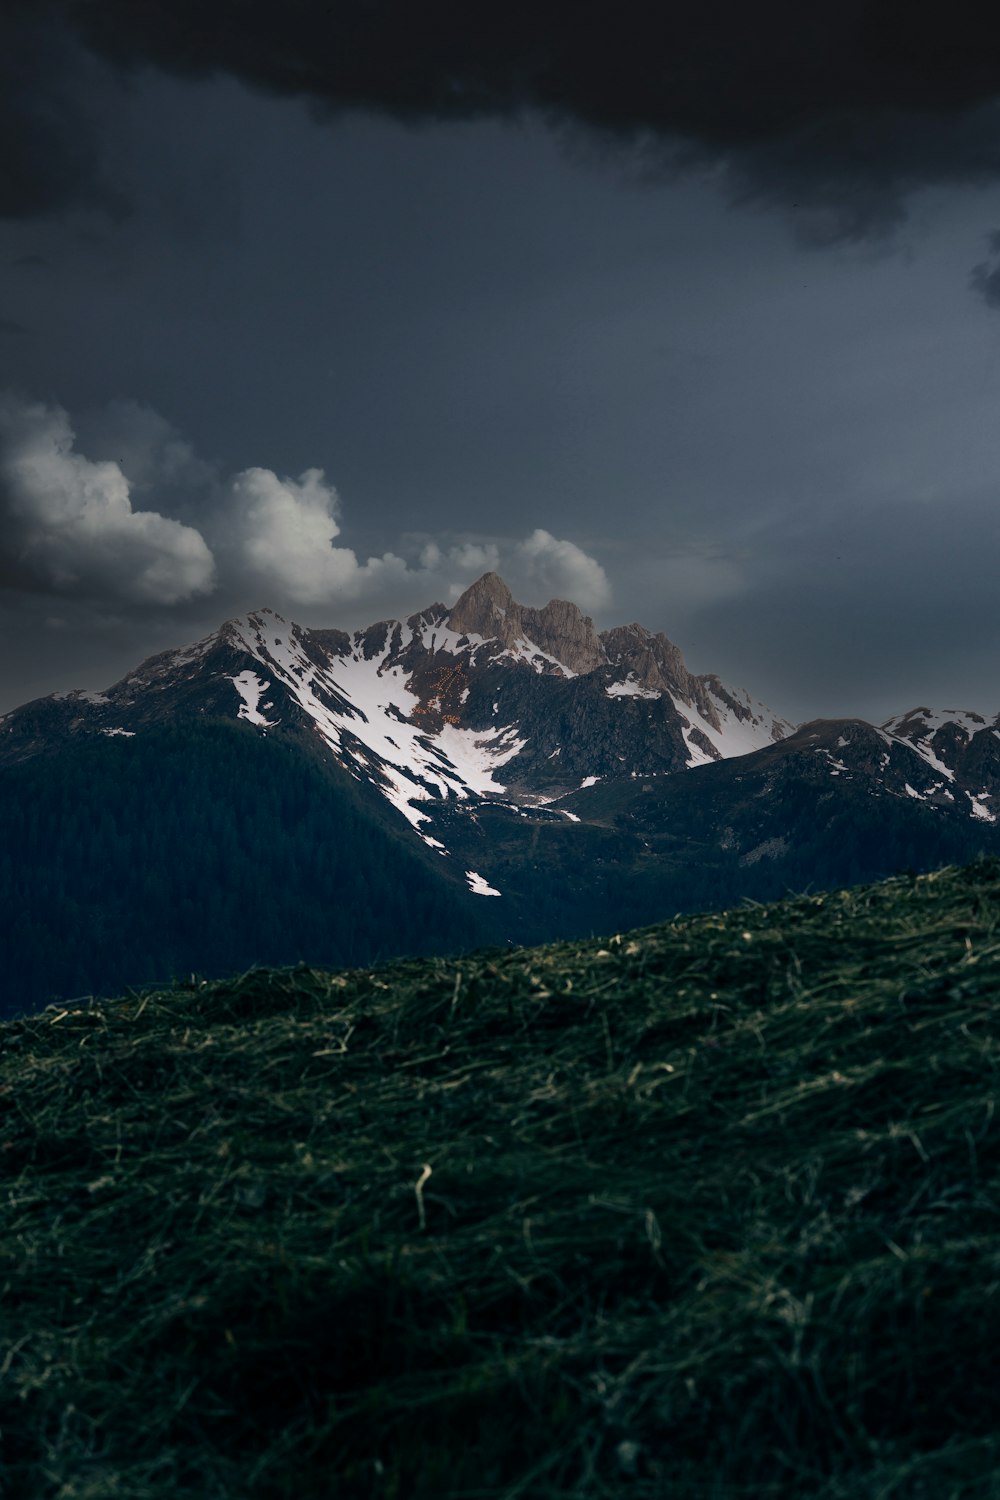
<point x="364" y="709"/>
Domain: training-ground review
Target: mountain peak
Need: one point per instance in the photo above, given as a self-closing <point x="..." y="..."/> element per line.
<point x="560" y="629"/>
<point x="484" y="604"/>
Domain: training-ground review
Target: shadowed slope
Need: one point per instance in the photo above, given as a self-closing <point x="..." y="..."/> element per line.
<point x="708" y="1209"/>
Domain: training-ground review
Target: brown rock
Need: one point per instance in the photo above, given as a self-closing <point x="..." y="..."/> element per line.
<point x="561" y="630"/>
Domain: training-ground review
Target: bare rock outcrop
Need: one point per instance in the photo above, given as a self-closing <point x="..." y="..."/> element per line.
<point x="561" y="629"/>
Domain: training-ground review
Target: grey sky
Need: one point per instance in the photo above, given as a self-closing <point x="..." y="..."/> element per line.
<point x="785" y="456"/>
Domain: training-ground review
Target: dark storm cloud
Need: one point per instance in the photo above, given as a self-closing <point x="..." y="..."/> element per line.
<point x="845" y="176"/>
<point x="986" y="276"/>
<point x="834" y="112"/>
<point x="858" y="580"/>
<point x="50" y="154"/>
<point x="725" y="74"/>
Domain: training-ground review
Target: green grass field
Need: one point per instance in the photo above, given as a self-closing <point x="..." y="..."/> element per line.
<point x="707" y="1209"/>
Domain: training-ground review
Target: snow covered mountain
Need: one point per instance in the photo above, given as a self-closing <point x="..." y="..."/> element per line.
<point x="489" y="701"/>
<point x="492" y="750"/>
<point x="961" y="750"/>
<point x="496" y="704"/>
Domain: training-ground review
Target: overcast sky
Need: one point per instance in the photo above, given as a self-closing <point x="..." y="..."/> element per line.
<point x="337" y="309"/>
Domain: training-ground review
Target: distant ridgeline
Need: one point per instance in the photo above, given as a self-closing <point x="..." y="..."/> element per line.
<point x="489" y="774"/>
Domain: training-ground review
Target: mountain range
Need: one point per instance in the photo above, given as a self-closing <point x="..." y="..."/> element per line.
<point x="484" y="773"/>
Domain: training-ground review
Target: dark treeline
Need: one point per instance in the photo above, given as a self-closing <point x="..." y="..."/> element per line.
<point x="825" y="850"/>
<point x="662" y="855"/>
<point x="204" y="850"/>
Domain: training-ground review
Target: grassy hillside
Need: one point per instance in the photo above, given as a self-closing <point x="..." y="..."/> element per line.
<point x="710" y="1209"/>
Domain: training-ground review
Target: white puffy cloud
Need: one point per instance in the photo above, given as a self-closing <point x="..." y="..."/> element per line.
<point x="453" y="568"/>
<point x="69" y="524"/>
<point x="279" y="533"/>
<point x="71" y="528"/>
<point x="536" y="568"/>
<point x="561" y="568"/>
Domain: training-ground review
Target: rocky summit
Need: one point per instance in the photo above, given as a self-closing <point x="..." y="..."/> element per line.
<point x="560" y="630"/>
<point x="490" y="701"/>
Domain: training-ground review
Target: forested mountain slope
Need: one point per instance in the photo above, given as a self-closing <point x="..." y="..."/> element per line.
<point x="203" y="848"/>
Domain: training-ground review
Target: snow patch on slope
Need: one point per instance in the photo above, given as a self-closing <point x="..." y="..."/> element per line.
<point x="927" y="721"/>
<point x="525" y="650"/>
<point x="979" y="808"/>
<point x="629" y="689"/>
<point x="921" y="748"/>
<point x="836" y="766"/>
<point x="477" y="753"/>
<point x="81" y="695"/>
<point x="917" y="728"/>
<point x="363" y="708"/>
<point x="441" y="638"/>
<point x="734" y="736"/>
<point x="251" y="689"/>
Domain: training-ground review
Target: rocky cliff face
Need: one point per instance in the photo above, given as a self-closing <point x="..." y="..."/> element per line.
<point x="654" y="661"/>
<point x="487" y="608"/>
<point x="632" y="659"/>
<point x="561" y="630"/>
